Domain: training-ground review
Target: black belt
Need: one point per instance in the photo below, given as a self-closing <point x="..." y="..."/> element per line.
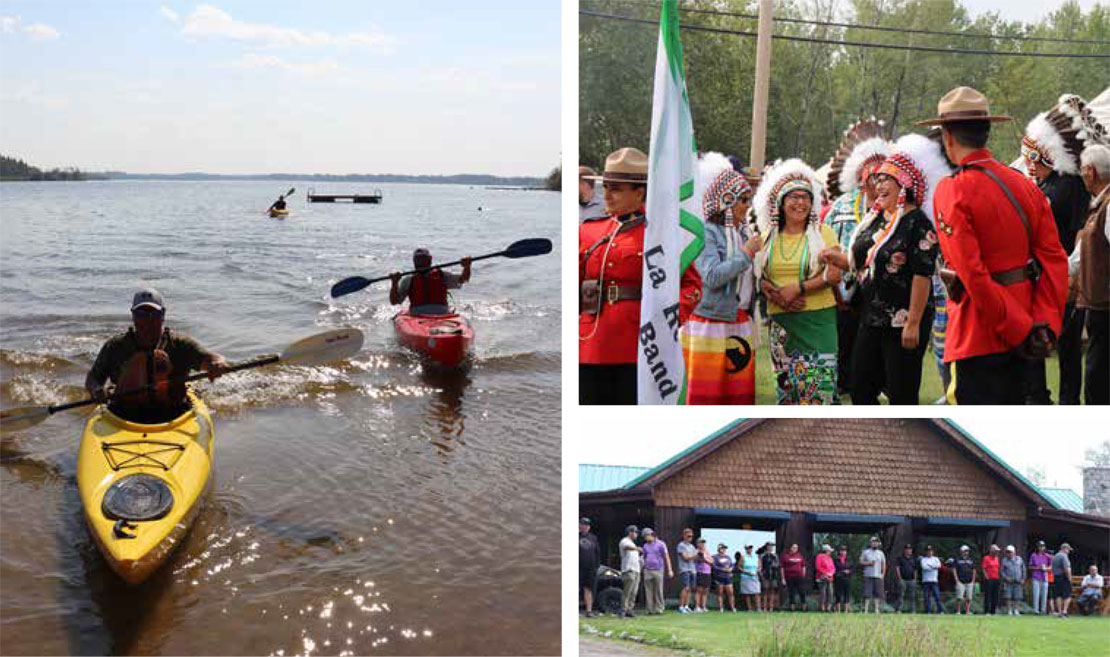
<point x="590" y="297"/>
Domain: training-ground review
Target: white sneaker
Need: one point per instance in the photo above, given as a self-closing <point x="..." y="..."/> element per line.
<point x="1017" y="613"/>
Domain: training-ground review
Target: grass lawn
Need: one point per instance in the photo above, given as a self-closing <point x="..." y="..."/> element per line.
<point x="747" y="634"/>
<point x="930" y="379"/>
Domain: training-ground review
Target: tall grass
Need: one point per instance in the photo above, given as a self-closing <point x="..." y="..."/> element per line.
<point x="886" y="638"/>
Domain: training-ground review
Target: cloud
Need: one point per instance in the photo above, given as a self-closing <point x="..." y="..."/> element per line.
<point x="207" y="21"/>
<point x="36" y="31"/>
<point x="257" y="61"/>
<point x="33" y="95"/>
<point x="170" y="14"/>
<point x="41" y="32"/>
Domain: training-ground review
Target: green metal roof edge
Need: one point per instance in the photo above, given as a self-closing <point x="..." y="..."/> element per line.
<point x="998" y="460"/>
<point x="640" y="468"/>
<point x="652" y="472"/>
<point x="1065" y="498"/>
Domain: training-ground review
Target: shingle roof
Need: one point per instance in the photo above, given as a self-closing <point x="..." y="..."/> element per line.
<point x="647" y="474"/>
<point x="593" y="478"/>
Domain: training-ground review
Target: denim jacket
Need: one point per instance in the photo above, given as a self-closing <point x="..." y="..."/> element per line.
<point x="719" y="275"/>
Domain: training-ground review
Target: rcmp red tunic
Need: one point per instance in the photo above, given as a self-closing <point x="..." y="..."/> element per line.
<point x="610" y="337"/>
<point x="980" y="233"/>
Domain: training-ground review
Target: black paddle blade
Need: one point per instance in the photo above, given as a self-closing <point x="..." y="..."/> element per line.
<point x="533" y="246"/>
<point x="349" y="285"/>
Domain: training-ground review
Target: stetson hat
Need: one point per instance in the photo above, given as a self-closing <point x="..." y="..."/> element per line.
<point x="586" y="172"/>
<point x="963" y="104"/>
<point x="624" y="165"/>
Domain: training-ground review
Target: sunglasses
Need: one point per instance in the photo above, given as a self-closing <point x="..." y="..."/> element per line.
<point x="147" y="312"/>
<point x="1032" y="155"/>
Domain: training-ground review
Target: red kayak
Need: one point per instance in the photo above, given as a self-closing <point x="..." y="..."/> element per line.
<point x="442" y="338"/>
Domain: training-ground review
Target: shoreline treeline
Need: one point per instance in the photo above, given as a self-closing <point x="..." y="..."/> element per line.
<point x="13" y="169"/>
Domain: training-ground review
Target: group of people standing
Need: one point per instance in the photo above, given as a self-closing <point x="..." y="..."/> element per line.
<point x="928" y="240"/>
<point x="770" y="582"/>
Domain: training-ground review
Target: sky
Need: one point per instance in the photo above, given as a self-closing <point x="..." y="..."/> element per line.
<point x="1027" y="11"/>
<point x="1023" y="437"/>
<point x="334" y="86"/>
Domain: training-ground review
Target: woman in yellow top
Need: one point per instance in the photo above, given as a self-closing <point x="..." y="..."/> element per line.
<point x="798" y="285"/>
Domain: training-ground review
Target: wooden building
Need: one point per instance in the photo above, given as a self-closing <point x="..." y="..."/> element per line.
<point x="905" y="480"/>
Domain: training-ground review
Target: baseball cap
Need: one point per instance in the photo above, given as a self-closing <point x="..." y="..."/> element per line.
<point x="584" y="521"/>
<point x="964" y="548"/>
<point x="1010" y="548"/>
<point x="631" y="528"/>
<point x="648" y="531"/>
<point x="147" y="296"/>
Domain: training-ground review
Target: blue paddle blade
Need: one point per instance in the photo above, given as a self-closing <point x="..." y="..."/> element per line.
<point x="349" y="285"/>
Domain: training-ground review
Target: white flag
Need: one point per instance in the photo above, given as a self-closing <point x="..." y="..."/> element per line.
<point x="673" y="237"/>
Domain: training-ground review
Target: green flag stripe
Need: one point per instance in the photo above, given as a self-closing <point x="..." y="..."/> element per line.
<point x="668" y="24"/>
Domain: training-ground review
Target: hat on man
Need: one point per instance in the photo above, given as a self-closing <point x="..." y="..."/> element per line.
<point x="631" y="529"/>
<point x="587" y="172"/>
<point x="1065" y="546"/>
<point x="963" y="104"/>
<point x="994" y="548"/>
<point x="1010" y="548"/>
<point x="648" y="531"/>
<point x="826" y="548"/>
<point x="628" y="165"/>
<point x="1040" y="543"/>
<point x="584" y="521"/>
<point x="964" y="548"/>
<point x="148" y="297"/>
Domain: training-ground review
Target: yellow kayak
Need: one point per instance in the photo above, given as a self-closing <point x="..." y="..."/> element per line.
<point x="281" y="214"/>
<point x="141" y="485"/>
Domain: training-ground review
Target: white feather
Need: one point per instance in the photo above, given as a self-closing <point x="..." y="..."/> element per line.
<point x="865" y="150"/>
<point x="1052" y="143"/>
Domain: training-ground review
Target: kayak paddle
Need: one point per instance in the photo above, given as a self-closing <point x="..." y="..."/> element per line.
<point x="525" y="248"/>
<point x="323" y="347"/>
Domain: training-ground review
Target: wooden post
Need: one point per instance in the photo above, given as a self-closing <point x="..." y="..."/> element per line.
<point x="762" y="85"/>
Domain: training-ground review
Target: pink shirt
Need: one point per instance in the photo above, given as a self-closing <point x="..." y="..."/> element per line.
<point x="825" y="567"/>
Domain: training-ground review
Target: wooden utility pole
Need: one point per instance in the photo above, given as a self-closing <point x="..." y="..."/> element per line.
<point x="762" y="85"/>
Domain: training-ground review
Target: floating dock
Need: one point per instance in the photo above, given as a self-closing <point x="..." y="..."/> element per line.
<point x="375" y="197"/>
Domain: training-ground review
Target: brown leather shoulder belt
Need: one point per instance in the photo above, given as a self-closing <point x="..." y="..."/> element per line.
<point x="1030" y="271"/>
<point x="589" y="297"/>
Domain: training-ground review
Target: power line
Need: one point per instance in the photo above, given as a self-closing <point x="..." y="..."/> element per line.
<point x="881" y="28"/>
<point x="783" y="37"/>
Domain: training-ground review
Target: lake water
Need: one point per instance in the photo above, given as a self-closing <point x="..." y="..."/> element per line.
<point x="371" y="507"/>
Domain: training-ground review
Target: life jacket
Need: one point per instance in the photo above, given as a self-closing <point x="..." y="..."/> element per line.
<point x="428" y="288"/>
<point x="145" y="367"/>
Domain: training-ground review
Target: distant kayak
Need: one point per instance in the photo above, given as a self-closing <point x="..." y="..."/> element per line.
<point x="280" y="214"/>
<point x="442" y="338"/>
<point x="141" y="485"/>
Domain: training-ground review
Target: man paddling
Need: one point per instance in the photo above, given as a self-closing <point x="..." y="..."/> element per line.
<point x="279" y="204"/>
<point x="149" y="353"/>
<point x="427" y="289"/>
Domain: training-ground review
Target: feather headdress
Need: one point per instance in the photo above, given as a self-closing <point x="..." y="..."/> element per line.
<point x="717" y="183"/>
<point x="918" y="164"/>
<point x="1057" y="137"/>
<point x="780" y="179"/>
<point x="864" y="146"/>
